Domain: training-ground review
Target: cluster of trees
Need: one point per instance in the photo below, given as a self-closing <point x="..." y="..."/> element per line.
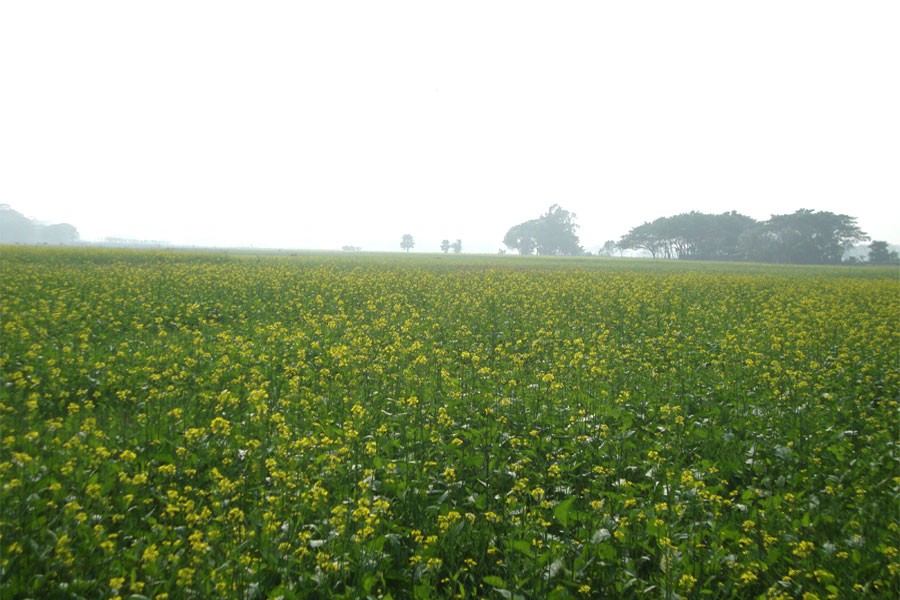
<point x="691" y="235"/>
<point x="16" y="228"/>
<point x="881" y="254"/>
<point x="804" y="237"/>
<point x="551" y="234"/>
<point x="456" y="246"/>
<point x="407" y="242"/>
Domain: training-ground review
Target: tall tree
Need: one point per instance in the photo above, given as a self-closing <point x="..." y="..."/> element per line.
<point x="647" y="236"/>
<point x="456" y="246"/>
<point x="691" y="235"/>
<point x="551" y="234"/>
<point x="407" y="242"/>
<point x="60" y="233"/>
<point x="881" y="254"/>
<point x="445" y="246"/>
<point x="16" y="228"/>
<point x="804" y="237"/>
<point x="609" y="248"/>
<point x="522" y="237"/>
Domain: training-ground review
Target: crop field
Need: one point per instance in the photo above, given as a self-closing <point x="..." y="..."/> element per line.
<point x="178" y="425"/>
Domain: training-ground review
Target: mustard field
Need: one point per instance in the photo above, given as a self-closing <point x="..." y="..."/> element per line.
<point x="201" y="425"/>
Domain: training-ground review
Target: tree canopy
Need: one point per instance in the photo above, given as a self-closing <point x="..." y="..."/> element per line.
<point x="16" y="228"/>
<point x="456" y="246"/>
<point x="881" y="254"/>
<point x="551" y="234"/>
<point x="691" y="235"/>
<point x="803" y="237"/>
<point x="407" y="242"/>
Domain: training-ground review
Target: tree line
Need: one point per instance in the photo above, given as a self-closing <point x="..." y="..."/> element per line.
<point x="16" y="228"/>
<point x="803" y="237"/>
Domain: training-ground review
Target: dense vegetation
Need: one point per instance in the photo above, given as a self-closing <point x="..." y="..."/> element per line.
<point x="16" y="228"/>
<point x="803" y="237"/>
<point x="551" y="234"/>
<point x="198" y="425"/>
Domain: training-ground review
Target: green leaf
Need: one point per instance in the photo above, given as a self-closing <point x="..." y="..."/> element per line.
<point x="606" y="551"/>
<point x="494" y="581"/>
<point x="563" y="511"/>
<point x="522" y="546"/>
<point x="559" y="593"/>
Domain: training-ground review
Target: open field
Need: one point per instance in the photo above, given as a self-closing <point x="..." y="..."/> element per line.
<point x="210" y="425"/>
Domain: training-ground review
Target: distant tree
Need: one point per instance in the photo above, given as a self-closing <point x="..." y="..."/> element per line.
<point x="61" y="233"/>
<point x="407" y="242"/>
<point x="609" y="248"/>
<point x="759" y="245"/>
<point x="702" y="236"/>
<point x="16" y="228"/>
<point x="556" y="233"/>
<point x="722" y="235"/>
<point x="445" y="246"/>
<point x="881" y="254"/>
<point x="804" y="237"/>
<point x="647" y="237"/>
<point x="351" y="248"/>
<point x="552" y="234"/>
<point x="691" y="235"/>
<point x="456" y="246"/>
<point x="522" y="237"/>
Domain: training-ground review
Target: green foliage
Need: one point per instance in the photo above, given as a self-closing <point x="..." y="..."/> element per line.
<point x="881" y="254"/>
<point x="349" y="426"/>
<point x="691" y="236"/>
<point x="16" y="228"/>
<point x="804" y="237"/>
<point x="552" y="234"/>
<point x="456" y="246"/>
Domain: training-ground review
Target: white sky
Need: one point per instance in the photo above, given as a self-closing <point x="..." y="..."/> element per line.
<point x="320" y="124"/>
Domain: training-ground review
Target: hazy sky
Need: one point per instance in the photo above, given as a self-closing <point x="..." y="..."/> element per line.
<point x="320" y="124"/>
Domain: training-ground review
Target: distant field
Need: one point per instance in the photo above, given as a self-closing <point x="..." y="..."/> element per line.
<point x="208" y="425"/>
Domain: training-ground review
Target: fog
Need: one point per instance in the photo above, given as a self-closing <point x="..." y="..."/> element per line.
<point x="319" y="125"/>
